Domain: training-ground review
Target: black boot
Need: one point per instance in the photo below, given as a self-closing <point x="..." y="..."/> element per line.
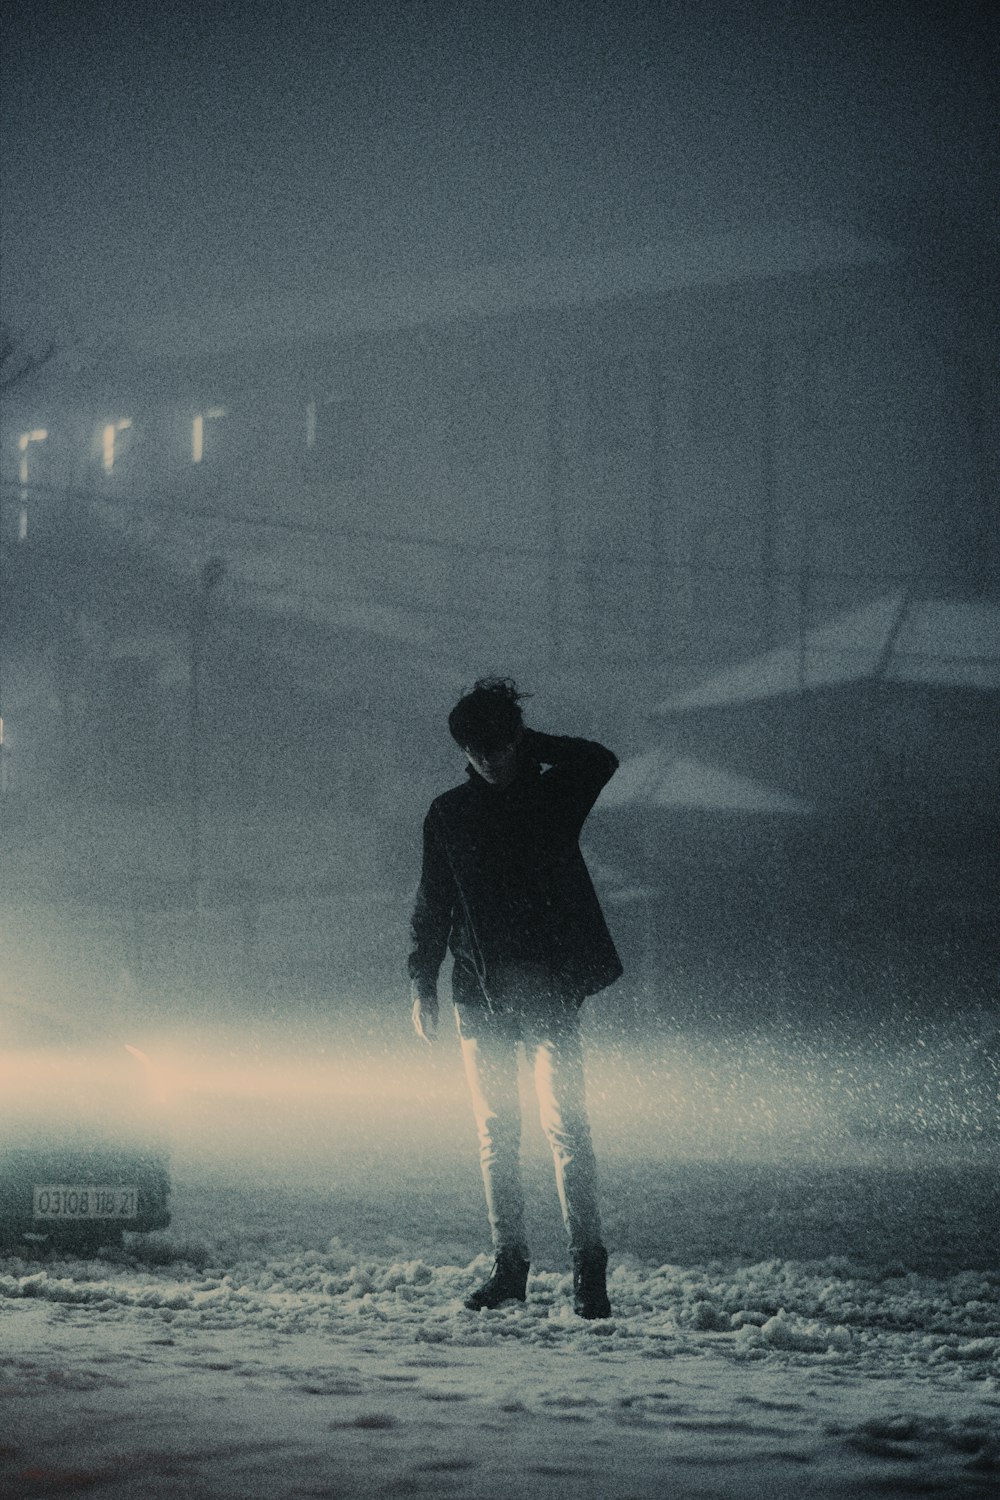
<point x="508" y="1282"/>
<point x="590" y="1291"/>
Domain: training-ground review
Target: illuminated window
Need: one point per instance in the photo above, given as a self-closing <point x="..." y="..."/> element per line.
<point x="24" y="442"/>
<point x="109" y="437"/>
<point x="200" y="430"/>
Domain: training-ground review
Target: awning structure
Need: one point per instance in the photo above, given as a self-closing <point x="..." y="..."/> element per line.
<point x="898" y="638"/>
<point x="890" y="711"/>
<point x="834" y="795"/>
<point x="659" y="779"/>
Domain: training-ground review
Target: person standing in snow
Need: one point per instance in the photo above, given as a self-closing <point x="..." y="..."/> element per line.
<point x="505" y="887"/>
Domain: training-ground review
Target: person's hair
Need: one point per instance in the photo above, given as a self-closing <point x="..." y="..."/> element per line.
<point x="489" y="716"/>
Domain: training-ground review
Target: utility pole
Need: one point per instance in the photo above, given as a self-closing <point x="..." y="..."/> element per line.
<point x="768" y="487"/>
<point x="211" y="576"/>
<point x="3" y="617"/>
<point x="655" y="578"/>
<point x="556" y="539"/>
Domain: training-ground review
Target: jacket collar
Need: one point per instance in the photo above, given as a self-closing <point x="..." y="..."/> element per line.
<point x="528" y="767"/>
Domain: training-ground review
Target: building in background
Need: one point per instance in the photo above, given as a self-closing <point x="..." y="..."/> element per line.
<point x="612" y="479"/>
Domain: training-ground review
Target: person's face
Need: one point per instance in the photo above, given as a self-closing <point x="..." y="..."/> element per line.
<point x="498" y="766"/>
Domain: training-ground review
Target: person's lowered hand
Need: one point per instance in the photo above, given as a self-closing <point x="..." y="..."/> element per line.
<point x="425" y="1017"/>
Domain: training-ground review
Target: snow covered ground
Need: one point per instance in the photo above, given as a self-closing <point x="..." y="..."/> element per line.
<point x="314" y="1374"/>
<point x="280" y="1340"/>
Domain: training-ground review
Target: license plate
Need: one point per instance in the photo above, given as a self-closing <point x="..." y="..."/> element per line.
<point x="84" y="1200"/>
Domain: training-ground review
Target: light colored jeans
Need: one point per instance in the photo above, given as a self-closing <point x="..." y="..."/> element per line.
<point x="549" y="1028"/>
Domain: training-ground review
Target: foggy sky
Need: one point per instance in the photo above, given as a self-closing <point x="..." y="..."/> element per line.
<point x="170" y="157"/>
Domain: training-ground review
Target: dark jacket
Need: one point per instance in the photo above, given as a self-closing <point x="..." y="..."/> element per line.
<point x="504" y="882"/>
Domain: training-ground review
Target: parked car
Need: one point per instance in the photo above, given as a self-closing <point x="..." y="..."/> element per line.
<point x="83" y="1151"/>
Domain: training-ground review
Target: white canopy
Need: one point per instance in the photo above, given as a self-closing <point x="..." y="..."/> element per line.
<point x="657" y="779"/>
<point x="943" y="642"/>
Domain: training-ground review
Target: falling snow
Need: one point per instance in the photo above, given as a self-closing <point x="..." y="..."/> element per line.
<point x="287" y="1340"/>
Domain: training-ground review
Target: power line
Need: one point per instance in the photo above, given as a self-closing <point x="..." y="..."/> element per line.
<point x="601" y="553"/>
<point x="243" y="518"/>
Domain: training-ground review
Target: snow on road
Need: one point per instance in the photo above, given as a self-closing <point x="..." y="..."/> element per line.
<point x="261" y="1362"/>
